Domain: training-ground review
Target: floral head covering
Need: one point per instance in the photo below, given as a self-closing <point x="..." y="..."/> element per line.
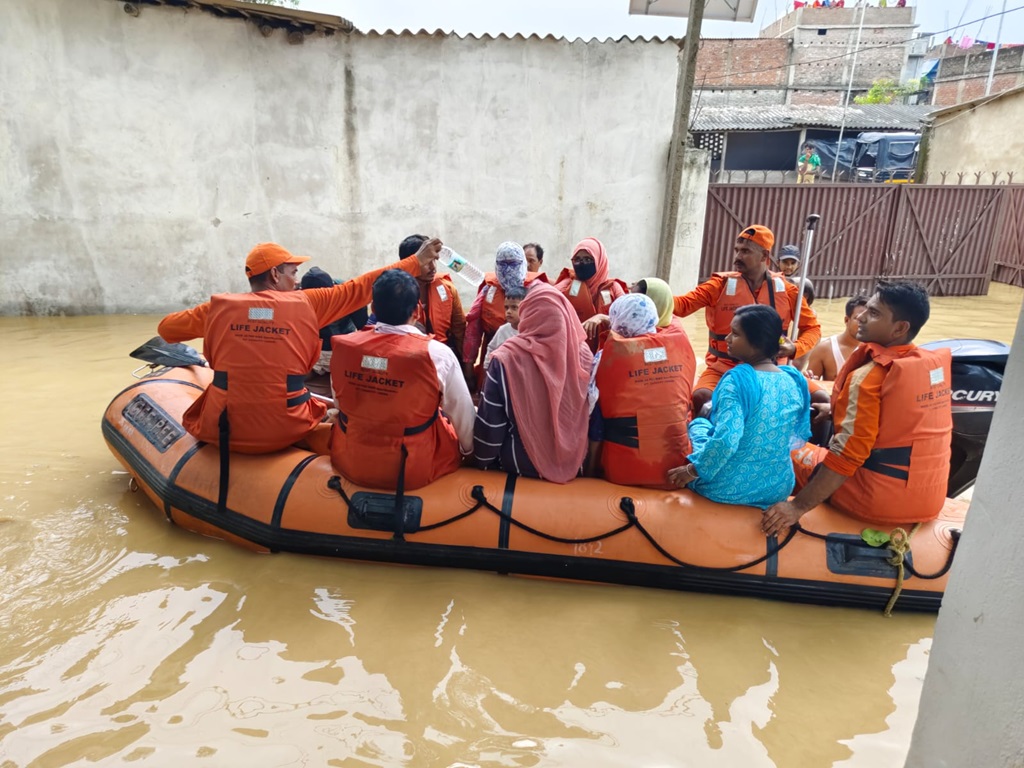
<point x="510" y="265"/>
<point x="633" y="315"/>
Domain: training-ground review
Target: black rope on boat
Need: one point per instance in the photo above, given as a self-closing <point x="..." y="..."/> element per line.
<point x="626" y="505"/>
<point x="478" y="494"/>
<point x="334" y="483"/>
<point x="954" y="534"/>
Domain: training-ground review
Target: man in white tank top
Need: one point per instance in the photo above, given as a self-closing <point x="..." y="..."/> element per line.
<point x="827" y="359"/>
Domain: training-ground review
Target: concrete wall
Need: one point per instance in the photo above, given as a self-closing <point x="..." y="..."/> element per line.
<point x="972" y="704"/>
<point x="985" y="139"/>
<point x="142" y="157"/>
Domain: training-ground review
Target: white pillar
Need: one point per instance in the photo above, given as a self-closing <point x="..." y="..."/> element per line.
<point x="689" y="237"/>
<point x="972" y="705"/>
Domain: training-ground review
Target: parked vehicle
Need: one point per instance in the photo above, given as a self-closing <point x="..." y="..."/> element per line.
<point x="870" y="157"/>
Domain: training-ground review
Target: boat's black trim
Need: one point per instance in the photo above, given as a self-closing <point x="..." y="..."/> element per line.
<point x="173" y="477"/>
<point x="504" y="560"/>
<point x="286" y="489"/>
<point x="508" y="497"/>
<point x="771" y="565"/>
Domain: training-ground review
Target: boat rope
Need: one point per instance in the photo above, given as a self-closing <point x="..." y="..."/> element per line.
<point x="899" y="545"/>
<point x="954" y="535"/>
<point x="626" y="505"/>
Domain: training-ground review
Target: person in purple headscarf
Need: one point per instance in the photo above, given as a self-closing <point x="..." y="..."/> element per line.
<point x="487" y="314"/>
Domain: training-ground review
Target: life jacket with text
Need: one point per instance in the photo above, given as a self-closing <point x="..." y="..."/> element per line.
<point x="260" y="347"/>
<point x="493" y="314"/>
<point x="737" y="294"/>
<point x="904" y="479"/>
<point x="390" y="432"/>
<point x="437" y="317"/>
<point x="645" y="385"/>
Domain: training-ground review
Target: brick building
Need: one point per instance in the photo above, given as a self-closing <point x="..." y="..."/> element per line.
<point x="806" y="57"/>
<point x="963" y="75"/>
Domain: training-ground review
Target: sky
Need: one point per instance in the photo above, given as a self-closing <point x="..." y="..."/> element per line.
<point x="609" y="18"/>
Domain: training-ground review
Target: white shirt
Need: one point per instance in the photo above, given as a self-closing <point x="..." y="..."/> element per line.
<point x="456" y="401"/>
<point x="503" y="334"/>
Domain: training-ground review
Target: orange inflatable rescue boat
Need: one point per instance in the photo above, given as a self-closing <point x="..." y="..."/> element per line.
<point x="590" y="530"/>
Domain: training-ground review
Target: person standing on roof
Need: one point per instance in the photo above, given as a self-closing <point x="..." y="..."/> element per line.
<point x="807" y="165"/>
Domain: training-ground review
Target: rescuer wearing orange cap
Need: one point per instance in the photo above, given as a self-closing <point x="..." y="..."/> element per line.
<point x="262" y="344"/>
<point x="750" y="283"/>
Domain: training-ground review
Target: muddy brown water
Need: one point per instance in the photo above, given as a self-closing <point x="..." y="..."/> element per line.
<point x="124" y="640"/>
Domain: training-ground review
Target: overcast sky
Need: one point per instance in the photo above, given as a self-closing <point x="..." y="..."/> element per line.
<point x="609" y="18"/>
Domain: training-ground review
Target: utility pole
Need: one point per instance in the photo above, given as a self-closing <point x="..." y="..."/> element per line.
<point x="849" y="91"/>
<point x="680" y="134"/>
<point x="995" y="52"/>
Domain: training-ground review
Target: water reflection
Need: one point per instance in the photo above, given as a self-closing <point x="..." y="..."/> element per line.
<point x="126" y="640"/>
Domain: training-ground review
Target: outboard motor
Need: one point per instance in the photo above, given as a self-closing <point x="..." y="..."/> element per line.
<point x="978" y="367"/>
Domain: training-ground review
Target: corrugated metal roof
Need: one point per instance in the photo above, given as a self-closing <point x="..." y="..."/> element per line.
<point x="518" y="36"/>
<point x="275" y="15"/>
<point x="774" y="118"/>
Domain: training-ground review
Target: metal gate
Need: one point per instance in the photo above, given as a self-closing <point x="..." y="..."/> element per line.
<point x="942" y="236"/>
<point x="1009" y="258"/>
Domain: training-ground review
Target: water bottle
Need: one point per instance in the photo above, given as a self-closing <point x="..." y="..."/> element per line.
<point x="460" y="266"/>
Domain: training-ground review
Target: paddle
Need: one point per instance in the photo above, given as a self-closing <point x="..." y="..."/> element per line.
<point x="156" y="352"/>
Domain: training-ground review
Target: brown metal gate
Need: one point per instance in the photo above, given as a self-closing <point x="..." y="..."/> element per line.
<point x="942" y="236"/>
<point x="1009" y="258"/>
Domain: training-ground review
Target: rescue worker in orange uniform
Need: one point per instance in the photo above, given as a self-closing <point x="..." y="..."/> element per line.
<point x="643" y="376"/>
<point x="405" y="415"/>
<point x="588" y="287"/>
<point x="262" y="344"/>
<point x="892" y="411"/>
<point x="750" y="283"/>
<point x="439" y="312"/>
<point x="487" y="314"/>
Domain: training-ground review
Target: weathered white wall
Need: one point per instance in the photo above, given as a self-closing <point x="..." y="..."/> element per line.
<point x="972" y="705"/>
<point x="142" y="157"/>
<point x="985" y="140"/>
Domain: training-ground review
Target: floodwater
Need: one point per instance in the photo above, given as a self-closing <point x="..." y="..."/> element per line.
<point x="124" y="640"/>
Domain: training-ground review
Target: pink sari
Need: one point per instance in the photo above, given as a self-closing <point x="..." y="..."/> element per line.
<point x="547" y="368"/>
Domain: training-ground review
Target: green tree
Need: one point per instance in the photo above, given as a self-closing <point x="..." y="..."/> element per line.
<point x="886" y="91"/>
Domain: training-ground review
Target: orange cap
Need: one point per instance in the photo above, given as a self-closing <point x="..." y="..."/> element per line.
<point x="266" y="256"/>
<point x="758" y="235"/>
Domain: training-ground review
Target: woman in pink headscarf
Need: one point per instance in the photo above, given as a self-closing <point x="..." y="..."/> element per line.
<point x="587" y="286"/>
<point x="533" y="415"/>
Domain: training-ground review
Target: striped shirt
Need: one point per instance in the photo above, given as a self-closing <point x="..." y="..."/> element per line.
<point x="496" y="440"/>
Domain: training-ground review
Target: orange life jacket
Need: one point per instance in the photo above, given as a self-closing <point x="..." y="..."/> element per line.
<point x="737" y="294"/>
<point x="493" y="314"/>
<point x="260" y="346"/>
<point x="389" y="401"/>
<point x="904" y="479"/>
<point x="586" y="306"/>
<point x="645" y="384"/>
<point x="578" y="294"/>
<point x="437" y="319"/>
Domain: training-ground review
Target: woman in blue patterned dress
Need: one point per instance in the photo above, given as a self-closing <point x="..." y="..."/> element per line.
<point x="759" y="412"/>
